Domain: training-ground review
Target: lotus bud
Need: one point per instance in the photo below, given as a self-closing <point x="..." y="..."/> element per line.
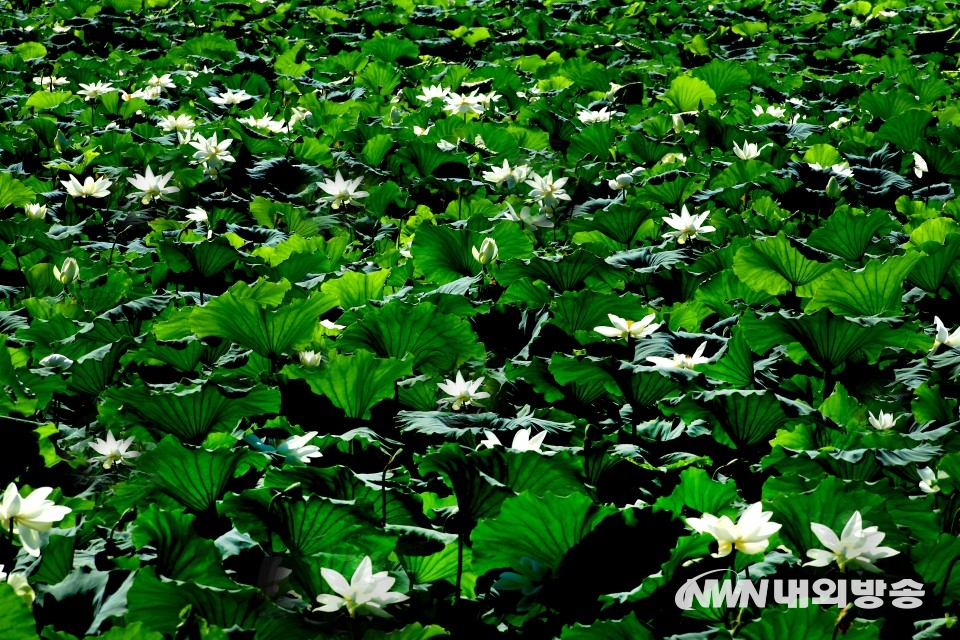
<point x="487" y="252"/>
<point x="68" y="272"/>
<point x="833" y="189"/>
<point x="310" y="358"/>
<point x="622" y="181"/>
<point x="35" y="211"/>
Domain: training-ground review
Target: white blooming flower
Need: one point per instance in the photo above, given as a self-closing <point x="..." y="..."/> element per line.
<point x="94" y="90"/>
<point x="296" y="449"/>
<point x="151" y="186"/>
<point x="35" y="211"/>
<point x="330" y="325"/>
<point x="231" y="97"/>
<point x="199" y="215"/>
<point x="462" y="392"/>
<point x="547" y="191"/>
<point x="456" y="103"/>
<point x="751" y="534"/>
<point x="841" y="169"/>
<point x="882" y="422"/>
<point x="443" y="145"/>
<point x="367" y="592"/>
<point x="839" y="122"/>
<point x="48" y="83"/>
<point x="919" y="165"/>
<point x="99" y="188"/>
<point x="856" y="548"/>
<point x="56" y="361"/>
<point x="161" y="82"/>
<point x="181" y="122"/>
<point x="627" y="329"/>
<point x="930" y="481"/>
<point x="748" y="151"/>
<point x="340" y="191"/>
<point x="508" y="174"/>
<point x="211" y="152"/>
<point x="776" y="112"/>
<point x="299" y="114"/>
<point x="20" y="585"/>
<point x="686" y="227"/>
<point x="28" y="516"/>
<point x="590" y="117"/>
<point x="621" y="182"/>
<point x="310" y="358"/>
<point x="420" y="131"/>
<point x="112" y="450"/>
<point x="436" y="91"/>
<point x="681" y="361"/>
<point x="671" y="158"/>
<point x="266" y="123"/>
<point x="521" y="440"/>
<point x="487" y="99"/>
<point x="527" y="219"/>
<point x="943" y="336"/>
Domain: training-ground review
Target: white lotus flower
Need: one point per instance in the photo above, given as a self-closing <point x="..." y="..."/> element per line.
<point x="590" y="117"/>
<point x="930" y="481"/>
<point x="99" y="188"/>
<point x="841" y="169"/>
<point x="919" y="165"/>
<point x="943" y="336"/>
<point x="462" y="392"/>
<point x="56" y="361"/>
<point x="340" y="191"/>
<point x="486" y="99"/>
<point x="627" y="329"/>
<point x="161" y="82"/>
<point x="299" y="114"/>
<point x="623" y="180"/>
<point x="20" y="586"/>
<point x="527" y="219"/>
<point x="508" y="174"/>
<point x="68" y="271"/>
<point x="456" y="103"/>
<point x="686" y="227"/>
<point x="330" y="325"/>
<point x="436" y="91"/>
<point x="839" y="122"/>
<point x="856" y="548"/>
<point x="48" y="83"/>
<point x="179" y="123"/>
<point x="776" y="112"/>
<point x="547" y="191"/>
<point x="211" y="152"/>
<point x="296" y="449"/>
<point x="231" y="97"/>
<point x="151" y="186"/>
<point x="681" y="361"/>
<point x="670" y="158"/>
<point x="521" y="440"/>
<point x="266" y="123"/>
<point x="367" y="592"/>
<point x="420" y="131"/>
<point x="882" y="422"/>
<point x="748" y="151"/>
<point x="35" y="211"/>
<point x="310" y="358"/>
<point x="94" y="90"/>
<point x="28" y="516"/>
<point x="112" y="450"/>
<point x="487" y="252"/>
<point x="751" y="534"/>
<point x="199" y="215"/>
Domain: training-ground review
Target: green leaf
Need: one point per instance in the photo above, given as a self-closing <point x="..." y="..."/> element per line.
<point x="746" y="416"/>
<point x="932" y="561"/>
<point x="30" y="50"/>
<point x="195" y="477"/>
<point x="14" y="193"/>
<point x="354" y="289"/>
<point x="735" y="366"/>
<point x="689" y="94"/>
<point x="414" y="631"/>
<point x="723" y="77"/>
<point x="804" y="624"/>
<point x="542" y="529"/>
<point x="355" y="383"/>
<point x="244" y="321"/>
<point x="875" y="290"/>
<point x="848" y="234"/>
<point x="16" y="620"/>
<point x="376" y="149"/>
<point x="191" y="413"/>
<point x="773" y="266"/>
<point x="823" y="154"/>
<point x="181" y="553"/>
<point x="699" y="493"/>
<point x="319" y="524"/>
<point x="932" y="270"/>
<point x="48" y="99"/>
<point x="595" y="140"/>
<point x="436" y="341"/>
<point x="588" y="379"/>
<point x="629" y="628"/>
<point x="906" y="130"/>
<point x="56" y="561"/>
<point x="445" y="254"/>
